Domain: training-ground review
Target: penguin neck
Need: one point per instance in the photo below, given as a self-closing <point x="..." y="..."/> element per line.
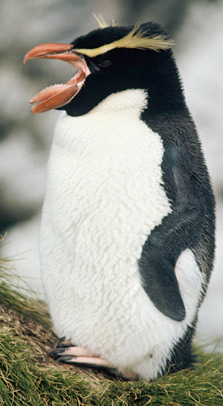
<point x="159" y="76"/>
<point x="130" y="100"/>
<point x="165" y="96"/>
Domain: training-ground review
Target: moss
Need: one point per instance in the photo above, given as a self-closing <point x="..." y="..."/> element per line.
<point x="29" y="377"/>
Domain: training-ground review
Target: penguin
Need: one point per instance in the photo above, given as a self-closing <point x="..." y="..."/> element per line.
<point x="127" y="232"/>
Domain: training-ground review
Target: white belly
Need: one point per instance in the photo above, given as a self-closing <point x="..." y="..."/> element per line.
<point x="103" y="198"/>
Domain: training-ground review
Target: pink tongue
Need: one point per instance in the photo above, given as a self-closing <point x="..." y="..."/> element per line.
<point x="52" y="90"/>
<point x="53" y="97"/>
<point x="48" y="92"/>
<point x="45" y="93"/>
<point x="57" y="95"/>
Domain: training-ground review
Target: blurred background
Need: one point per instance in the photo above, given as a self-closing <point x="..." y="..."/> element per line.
<point x="196" y="25"/>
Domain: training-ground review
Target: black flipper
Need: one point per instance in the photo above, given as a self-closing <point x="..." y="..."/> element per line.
<point x="178" y="231"/>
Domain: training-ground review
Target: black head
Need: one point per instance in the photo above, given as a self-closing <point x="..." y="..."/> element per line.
<point x="109" y="60"/>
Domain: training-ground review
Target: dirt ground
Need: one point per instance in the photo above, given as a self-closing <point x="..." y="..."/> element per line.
<point x="42" y="339"/>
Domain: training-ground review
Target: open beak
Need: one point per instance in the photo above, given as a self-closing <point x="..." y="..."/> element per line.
<point x="60" y="94"/>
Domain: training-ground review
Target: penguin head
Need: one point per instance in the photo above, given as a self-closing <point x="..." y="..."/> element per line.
<point x="109" y="60"/>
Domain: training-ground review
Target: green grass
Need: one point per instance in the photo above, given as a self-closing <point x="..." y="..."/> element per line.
<point x="16" y="299"/>
<point x="29" y="377"/>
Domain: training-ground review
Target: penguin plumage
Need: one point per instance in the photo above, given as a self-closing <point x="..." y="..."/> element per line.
<point x="128" y="220"/>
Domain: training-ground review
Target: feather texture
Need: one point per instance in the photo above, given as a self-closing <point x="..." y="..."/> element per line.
<point x="135" y="39"/>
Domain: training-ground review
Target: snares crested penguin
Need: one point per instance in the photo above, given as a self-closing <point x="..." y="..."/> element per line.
<point x="128" y="220"/>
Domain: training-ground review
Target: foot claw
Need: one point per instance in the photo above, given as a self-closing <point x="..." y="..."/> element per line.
<point x="62" y="343"/>
<point x="66" y="359"/>
<point x="82" y="357"/>
<point x="55" y="352"/>
<point x="58" y="341"/>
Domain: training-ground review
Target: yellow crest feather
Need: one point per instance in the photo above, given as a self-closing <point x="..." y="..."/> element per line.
<point x="134" y="39"/>
<point x="101" y="21"/>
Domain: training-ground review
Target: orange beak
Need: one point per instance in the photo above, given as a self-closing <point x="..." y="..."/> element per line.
<point x="60" y="94"/>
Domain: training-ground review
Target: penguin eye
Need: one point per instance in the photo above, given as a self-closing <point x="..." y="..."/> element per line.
<point x="105" y="63"/>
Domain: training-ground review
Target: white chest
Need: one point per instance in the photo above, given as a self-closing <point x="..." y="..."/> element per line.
<point x="103" y="198"/>
<point x="105" y="166"/>
<point x="104" y="191"/>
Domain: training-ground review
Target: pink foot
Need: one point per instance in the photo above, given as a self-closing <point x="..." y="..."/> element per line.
<point x="81" y="356"/>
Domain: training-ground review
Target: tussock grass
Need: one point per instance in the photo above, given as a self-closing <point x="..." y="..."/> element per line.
<point x="29" y="377"/>
<point x="16" y="299"/>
